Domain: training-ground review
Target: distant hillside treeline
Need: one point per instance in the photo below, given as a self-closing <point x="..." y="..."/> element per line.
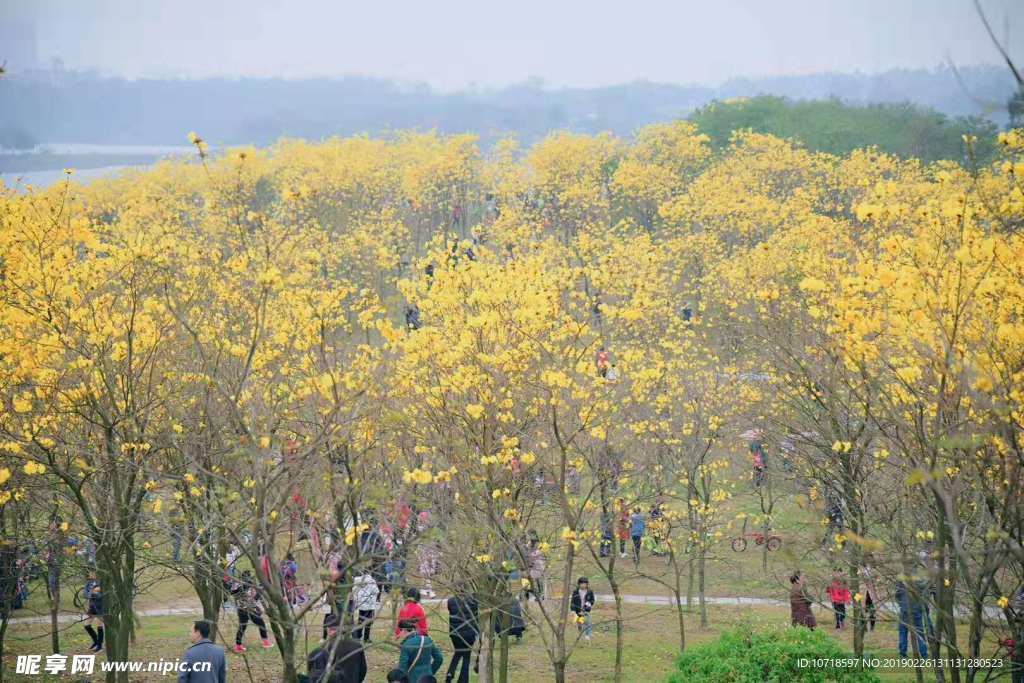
<point x="83" y="107"/>
<point x="831" y="126"/>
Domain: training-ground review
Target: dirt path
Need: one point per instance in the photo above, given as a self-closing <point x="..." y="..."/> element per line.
<point x="661" y="600"/>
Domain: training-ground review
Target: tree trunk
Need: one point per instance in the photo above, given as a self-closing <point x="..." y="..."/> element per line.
<point x="948" y="607"/>
<point x="859" y="627"/>
<point x="679" y="604"/>
<point x="211" y="611"/>
<point x="210" y="591"/>
<point x="290" y="675"/>
<point x="503" y="652"/>
<point x="974" y="636"/>
<point x="116" y="568"/>
<point x="932" y="636"/>
<point x="1017" y="667"/>
<point x="617" y="594"/>
<point x="116" y="624"/>
<point x="701" y="561"/>
<point x="766" y="530"/>
<point x="3" y="633"/>
<point x="915" y="647"/>
<point x="689" y="583"/>
<point x="54" y="610"/>
<point x="284" y="634"/>
<point x="486" y="656"/>
<point x="860" y="624"/>
<point x="559" y="671"/>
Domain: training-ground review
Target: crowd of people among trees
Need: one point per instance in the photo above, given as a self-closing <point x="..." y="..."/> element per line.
<point x="210" y="369"/>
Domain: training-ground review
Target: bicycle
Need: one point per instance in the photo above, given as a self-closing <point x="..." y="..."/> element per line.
<point x="772" y="541"/>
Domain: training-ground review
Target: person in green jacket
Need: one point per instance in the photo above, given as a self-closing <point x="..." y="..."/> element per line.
<point x="420" y="656"/>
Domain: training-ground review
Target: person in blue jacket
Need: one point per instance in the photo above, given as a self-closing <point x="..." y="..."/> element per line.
<point x="637" y="526"/>
<point x="203" y="651"/>
<point x="912" y="611"/>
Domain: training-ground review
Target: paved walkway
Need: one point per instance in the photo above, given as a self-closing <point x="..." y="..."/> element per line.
<point x="606" y="598"/>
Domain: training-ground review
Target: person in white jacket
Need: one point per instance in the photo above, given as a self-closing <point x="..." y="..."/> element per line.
<point x="364" y="603"/>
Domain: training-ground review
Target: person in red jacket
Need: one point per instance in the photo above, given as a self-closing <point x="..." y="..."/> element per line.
<point x="412" y="610"/>
<point x="603" y="362"/>
<point x="839" y="594"/>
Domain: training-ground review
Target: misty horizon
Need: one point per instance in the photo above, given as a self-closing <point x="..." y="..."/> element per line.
<point x="455" y="47"/>
<point x="530" y="82"/>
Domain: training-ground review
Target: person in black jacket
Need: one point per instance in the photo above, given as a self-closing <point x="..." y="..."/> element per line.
<point x="463" y="627"/>
<point x="349" y="664"/>
<point x="509" y="619"/>
<point x="581" y="604"/>
<point x="94" y="613"/>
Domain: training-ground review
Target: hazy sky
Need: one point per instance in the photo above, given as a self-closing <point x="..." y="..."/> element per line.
<point x="452" y="43"/>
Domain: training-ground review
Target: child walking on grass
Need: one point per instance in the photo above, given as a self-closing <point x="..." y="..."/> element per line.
<point x="581" y="604"/>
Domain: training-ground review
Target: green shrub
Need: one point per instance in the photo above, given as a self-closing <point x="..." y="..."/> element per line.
<point x="744" y="655"/>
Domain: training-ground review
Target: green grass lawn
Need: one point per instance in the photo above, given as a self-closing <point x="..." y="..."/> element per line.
<point x="729" y="573"/>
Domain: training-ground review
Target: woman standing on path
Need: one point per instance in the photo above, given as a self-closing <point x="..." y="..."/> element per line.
<point x="869" y="590"/>
<point x="429" y="564"/>
<point x="800" y="603"/>
<point x="536" y="570"/>
<point x="94" y="613"/>
<point x="463" y="627"/>
<point x="638" y="524"/>
<point x="623" y="527"/>
<point x="365" y="593"/>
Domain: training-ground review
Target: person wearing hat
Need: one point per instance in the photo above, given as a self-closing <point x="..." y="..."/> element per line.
<point x="420" y="657"/>
<point x="413" y="611"/>
<point x="344" y="655"/>
<point x="582" y="603"/>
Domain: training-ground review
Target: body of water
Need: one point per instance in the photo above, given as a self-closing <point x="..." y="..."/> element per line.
<point x="40" y="179"/>
<point x="44" y="165"/>
<point x="73" y="148"/>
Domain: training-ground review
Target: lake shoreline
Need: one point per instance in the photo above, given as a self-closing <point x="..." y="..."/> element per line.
<point x="48" y="161"/>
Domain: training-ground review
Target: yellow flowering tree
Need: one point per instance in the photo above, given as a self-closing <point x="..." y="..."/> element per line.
<point x="86" y="345"/>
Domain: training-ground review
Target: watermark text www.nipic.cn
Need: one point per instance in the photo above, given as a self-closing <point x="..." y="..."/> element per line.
<point x="34" y="665"/>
